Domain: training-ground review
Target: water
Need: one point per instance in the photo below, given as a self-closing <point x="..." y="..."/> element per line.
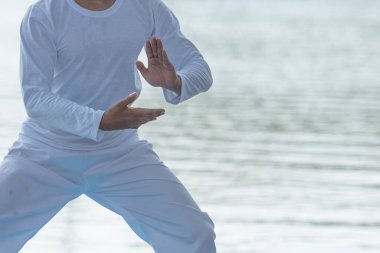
<point x="283" y="152"/>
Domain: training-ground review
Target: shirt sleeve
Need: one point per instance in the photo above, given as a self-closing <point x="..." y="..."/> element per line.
<point x="186" y="58"/>
<point x="38" y="56"/>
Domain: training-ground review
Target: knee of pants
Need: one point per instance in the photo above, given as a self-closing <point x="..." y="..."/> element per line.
<point x="13" y="190"/>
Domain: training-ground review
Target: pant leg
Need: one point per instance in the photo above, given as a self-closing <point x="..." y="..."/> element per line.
<point x="152" y="200"/>
<point x="30" y="195"/>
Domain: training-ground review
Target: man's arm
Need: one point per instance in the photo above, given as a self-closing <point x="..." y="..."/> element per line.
<point x="174" y="50"/>
<point x="38" y="56"/>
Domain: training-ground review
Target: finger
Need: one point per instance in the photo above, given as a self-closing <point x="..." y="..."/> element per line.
<point x="128" y="100"/>
<point x="154" y="46"/>
<point x="146" y="120"/>
<point x="145" y="112"/>
<point x="160" y="48"/>
<point x="166" y="60"/>
<point x="156" y="112"/>
<point x="148" y="49"/>
<point x="153" y="112"/>
<point x="141" y="67"/>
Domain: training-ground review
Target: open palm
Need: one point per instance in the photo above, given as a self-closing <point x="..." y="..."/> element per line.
<point x="160" y="71"/>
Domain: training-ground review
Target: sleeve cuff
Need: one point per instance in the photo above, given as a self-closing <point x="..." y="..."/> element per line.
<point x="97" y="134"/>
<point x="174" y="98"/>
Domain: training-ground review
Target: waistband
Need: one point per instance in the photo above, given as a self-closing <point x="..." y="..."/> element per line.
<point x="45" y="138"/>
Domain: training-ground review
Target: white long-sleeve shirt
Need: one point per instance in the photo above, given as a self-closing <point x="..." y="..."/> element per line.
<point x="75" y="63"/>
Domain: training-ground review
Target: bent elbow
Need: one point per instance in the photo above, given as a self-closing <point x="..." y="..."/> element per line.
<point x="209" y="82"/>
<point x="209" y="79"/>
<point x="32" y="110"/>
<point x="32" y="104"/>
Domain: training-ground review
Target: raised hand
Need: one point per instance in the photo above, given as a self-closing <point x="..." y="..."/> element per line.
<point x="122" y="116"/>
<point x="160" y="71"/>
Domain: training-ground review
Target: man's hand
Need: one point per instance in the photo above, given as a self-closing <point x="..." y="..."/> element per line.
<point x="160" y="71"/>
<point x="121" y="116"/>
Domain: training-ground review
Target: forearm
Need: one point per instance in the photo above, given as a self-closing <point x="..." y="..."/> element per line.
<point x="195" y="78"/>
<point x="189" y="63"/>
<point x="55" y="112"/>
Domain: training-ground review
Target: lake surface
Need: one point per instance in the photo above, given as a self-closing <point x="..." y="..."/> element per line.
<point x="283" y="152"/>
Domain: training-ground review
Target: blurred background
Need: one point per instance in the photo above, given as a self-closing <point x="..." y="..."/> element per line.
<point x="283" y="152"/>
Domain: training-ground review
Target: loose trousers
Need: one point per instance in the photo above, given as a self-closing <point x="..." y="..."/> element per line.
<point x="36" y="181"/>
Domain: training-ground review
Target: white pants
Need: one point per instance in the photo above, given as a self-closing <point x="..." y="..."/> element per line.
<point x="36" y="181"/>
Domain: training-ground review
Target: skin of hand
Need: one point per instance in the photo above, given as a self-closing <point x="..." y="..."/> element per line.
<point x="121" y="116"/>
<point x="160" y="71"/>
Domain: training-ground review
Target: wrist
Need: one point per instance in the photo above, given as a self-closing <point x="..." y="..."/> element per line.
<point x="177" y="87"/>
<point x="103" y="123"/>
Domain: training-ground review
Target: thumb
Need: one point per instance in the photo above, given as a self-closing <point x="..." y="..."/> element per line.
<point x="128" y="100"/>
<point x="141" y="67"/>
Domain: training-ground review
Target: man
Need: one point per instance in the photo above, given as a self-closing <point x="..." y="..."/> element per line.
<point x="78" y="71"/>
